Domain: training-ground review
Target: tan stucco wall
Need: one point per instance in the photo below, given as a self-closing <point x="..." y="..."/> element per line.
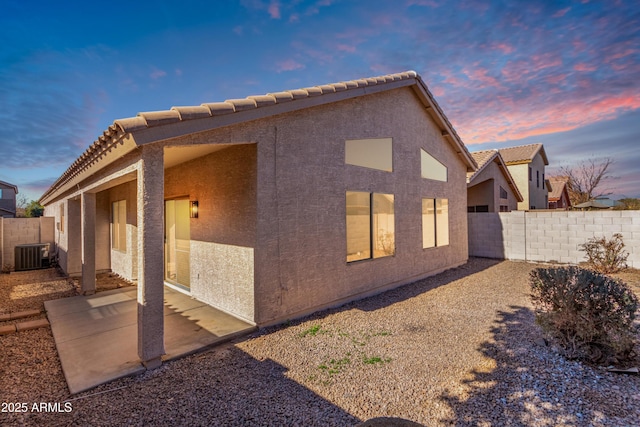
<point x="537" y="194"/>
<point x="279" y="224"/>
<point x="483" y="193"/>
<point x="309" y="200"/>
<point x="487" y="189"/>
<point x="533" y="196"/>
<point x="123" y="263"/>
<point x="223" y="237"/>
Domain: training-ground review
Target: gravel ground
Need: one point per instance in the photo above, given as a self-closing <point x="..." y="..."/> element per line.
<point x="460" y="348"/>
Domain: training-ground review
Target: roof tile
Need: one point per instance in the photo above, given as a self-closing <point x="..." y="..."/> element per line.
<point x="520" y="153"/>
<point x="313" y="91"/>
<point x="263" y="100"/>
<point x="158" y="118"/>
<point x="299" y="93"/>
<point x="282" y="96"/>
<point x="220" y="108"/>
<point x="131" y="124"/>
<point x="243" y="104"/>
<point x="194" y="112"/>
<point x="176" y="114"/>
<point x="339" y="87"/>
<point x="327" y="89"/>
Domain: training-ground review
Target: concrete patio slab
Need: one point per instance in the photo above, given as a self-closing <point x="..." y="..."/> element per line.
<point x="96" y="335"/>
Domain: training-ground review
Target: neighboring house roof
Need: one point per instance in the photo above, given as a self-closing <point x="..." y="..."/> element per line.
<point x="6" y="184"/>
<point x="486" y="157"/>
<point x="558" y="186"/>
<point x="608" y="202"/>
<point x="155" y="126"/>
<point x="592" y="204"/>
<point x="523" y="154"/>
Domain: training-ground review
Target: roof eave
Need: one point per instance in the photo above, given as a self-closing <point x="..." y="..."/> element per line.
<point x="447" y="128"/>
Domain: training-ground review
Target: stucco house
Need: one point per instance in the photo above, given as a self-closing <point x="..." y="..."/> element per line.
<point x="558" y="193"/>
<point x="272" y="206"/>
<point x="491" y="188"/>
<point x="8" y="200"/>
<point x="526" y="163"/>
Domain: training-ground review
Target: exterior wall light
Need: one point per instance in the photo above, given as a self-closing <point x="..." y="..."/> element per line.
<point x="193" y="209"/>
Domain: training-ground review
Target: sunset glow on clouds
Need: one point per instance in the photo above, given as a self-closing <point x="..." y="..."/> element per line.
<point x="504" y="72"/>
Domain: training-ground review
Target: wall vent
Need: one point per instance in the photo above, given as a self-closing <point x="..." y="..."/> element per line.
<point x="31" y="257"/>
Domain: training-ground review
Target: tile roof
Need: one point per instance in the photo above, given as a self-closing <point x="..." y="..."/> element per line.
<point x="484" y="158"/>
<point x="147" y="121"/>
<point x="176" y="114"/>
<point x="523" y="154"/>
<point x="558" y="185"/>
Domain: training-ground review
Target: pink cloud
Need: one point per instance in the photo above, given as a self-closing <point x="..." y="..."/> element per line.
<point x="480" y="74"/>
<point x="556" y="78"/>
<point x="274" y="9"/>
<point x="561" y="13"/>
<point x="504" y="47"/>
<point x="345" y="48"/>
<point x="505" y="119"/>
<point x="584" y="67"/>
<point x="289" y="65"/>
<point x="157" y="74"/>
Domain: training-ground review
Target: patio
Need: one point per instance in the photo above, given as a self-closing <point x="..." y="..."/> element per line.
<point x="96" y="336"/>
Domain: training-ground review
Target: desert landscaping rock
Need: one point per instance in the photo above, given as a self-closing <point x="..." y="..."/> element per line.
<point x="461" y="348"/>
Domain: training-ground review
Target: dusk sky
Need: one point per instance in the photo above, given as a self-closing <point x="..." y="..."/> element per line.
<point x="564" y="73"/>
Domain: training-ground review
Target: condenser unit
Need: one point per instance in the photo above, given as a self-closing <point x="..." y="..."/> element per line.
<point x="31" y="257"/>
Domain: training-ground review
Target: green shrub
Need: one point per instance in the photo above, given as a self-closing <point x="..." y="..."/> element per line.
<point x="606" y="255"/>
<point x="590" y="316"/>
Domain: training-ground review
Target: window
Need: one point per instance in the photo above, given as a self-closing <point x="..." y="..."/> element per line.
<point x="119" y="225"/>
<point x="435" y="222"/>
<point x="504" y="208"/>
<point x="478" y="208"/>
<point x="431" y="168"/>
<point x="542" y="180"/>
<point x="538" y="179"/>
<point x="0" y="193"/>
<point x="370" y="225"/>
<point x="369" y="153"/>
<point x="503" y="193"/>
<point x="62" y="218"/>
<point x="530" y="174"/>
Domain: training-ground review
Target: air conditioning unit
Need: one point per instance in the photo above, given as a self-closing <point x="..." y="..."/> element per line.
<point x="31" y="257"/>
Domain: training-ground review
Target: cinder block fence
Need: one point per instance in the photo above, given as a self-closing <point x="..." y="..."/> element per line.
<point x="22" y="231"/>
<point x="550" y="236"/>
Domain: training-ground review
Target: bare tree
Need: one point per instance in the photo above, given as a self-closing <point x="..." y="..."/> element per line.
<point x="21" y="205"/>
<point x="585" y="181"/>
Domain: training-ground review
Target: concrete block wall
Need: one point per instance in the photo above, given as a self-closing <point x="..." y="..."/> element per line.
<point x="22" y="231"/>
<point x="550" y="236"/>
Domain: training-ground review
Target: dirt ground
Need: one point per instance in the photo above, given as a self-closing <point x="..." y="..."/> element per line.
<point x="460" y="348"/>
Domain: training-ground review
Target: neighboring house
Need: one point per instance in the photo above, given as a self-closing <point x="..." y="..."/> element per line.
<point x="527" y="166"/>
<point x="272" y="206"/>
<point x="559" y="193"/>
<point x="8" y="200"/>
<point x="491" y="188"/>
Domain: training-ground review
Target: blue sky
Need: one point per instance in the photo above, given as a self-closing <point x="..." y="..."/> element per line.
<point x="564" y="73"/>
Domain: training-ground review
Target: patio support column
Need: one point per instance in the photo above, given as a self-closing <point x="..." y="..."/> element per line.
<point x="151" y="256"/>
<point x="88" y="215"/>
